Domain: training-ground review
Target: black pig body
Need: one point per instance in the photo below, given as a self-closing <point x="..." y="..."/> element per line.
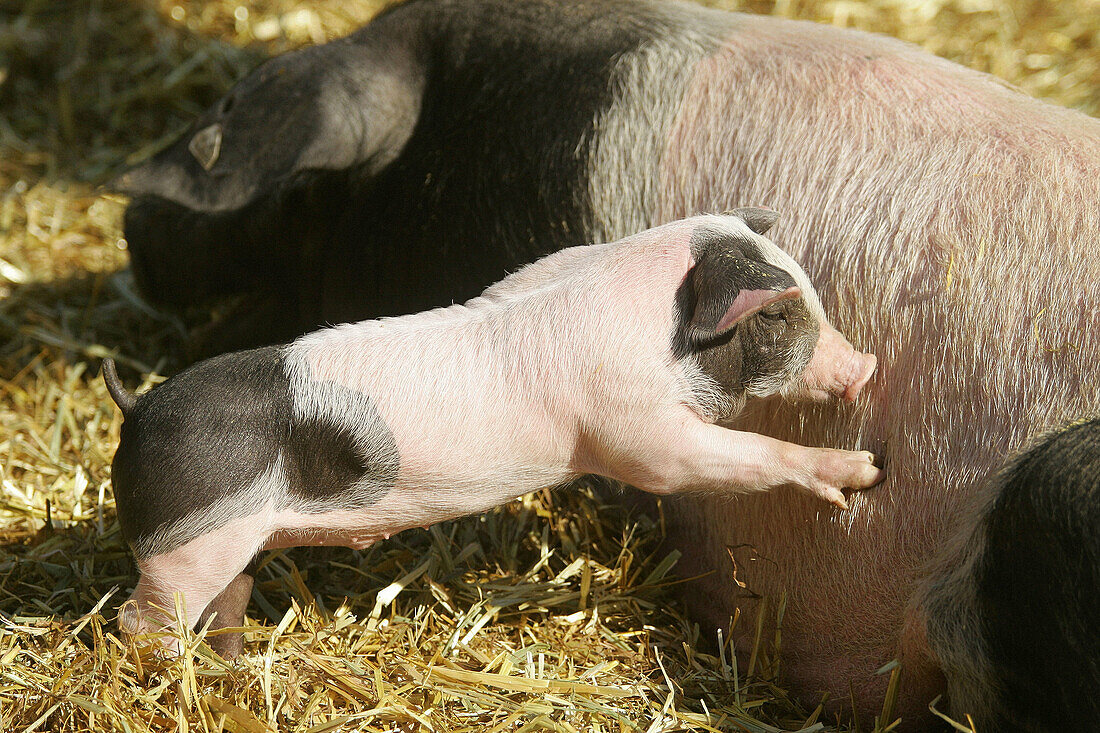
<point x="356" y="178"/>
<point x="1013" y="609"/>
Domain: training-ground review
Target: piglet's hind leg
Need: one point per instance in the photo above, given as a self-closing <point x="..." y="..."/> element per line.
<point x="227" y="611"/>
<point x="200" y="572"/>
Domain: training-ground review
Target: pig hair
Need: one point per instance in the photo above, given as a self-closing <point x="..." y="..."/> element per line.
<point x="946" y="603"/>
<point x="971" y="213"/>
<point x="705" y="396"/>
<point x="632" y="133"/>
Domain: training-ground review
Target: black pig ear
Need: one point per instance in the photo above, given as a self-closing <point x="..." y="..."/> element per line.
<point x="759" y="220"/>
<point x="339" y="106"/>
<point x="206" y="146"/>
<point x="726" y="289"/>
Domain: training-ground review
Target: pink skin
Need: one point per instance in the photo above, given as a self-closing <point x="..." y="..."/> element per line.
<point x="566" y="378"/>
<point x="749" y="302"/>
<point x="503" y="395"/>
<point x="836" y="369"/>
<point x="198" y="572"/>
<point x="950" y="224"/>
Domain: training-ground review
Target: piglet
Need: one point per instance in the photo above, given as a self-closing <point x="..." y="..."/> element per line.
<point x="611" y="359"/>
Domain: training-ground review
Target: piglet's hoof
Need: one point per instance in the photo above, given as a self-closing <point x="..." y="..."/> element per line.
<point x="837" y="470"/>
<point x="136" y="628"/>
<point x="227" y="646"/>
<point x="227" y="611"/>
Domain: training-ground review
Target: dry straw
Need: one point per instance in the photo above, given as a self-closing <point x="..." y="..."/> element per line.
<point x="556" y="612"/>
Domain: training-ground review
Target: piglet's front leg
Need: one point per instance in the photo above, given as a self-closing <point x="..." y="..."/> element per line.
<point x="713" y="458"/>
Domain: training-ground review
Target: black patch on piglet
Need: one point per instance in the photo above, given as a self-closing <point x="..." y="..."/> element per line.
<point x="322" y="458"/>
<point x="776" y="346"/>
<point x="725" y="266"/>
<point x="341" y="455"/>
<point x="191" y="449"/>
<point x="202" y="436"/>
<point x="1038" y="586"/>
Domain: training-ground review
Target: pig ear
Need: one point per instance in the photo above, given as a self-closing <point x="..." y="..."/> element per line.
<point x="725" y="290"/>
<point x="748" y="302"/>
<point x="759" y="220"/>
<point x="206" y="146"/>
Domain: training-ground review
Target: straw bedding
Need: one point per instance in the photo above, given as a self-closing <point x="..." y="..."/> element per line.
<point x="555" y="612"/>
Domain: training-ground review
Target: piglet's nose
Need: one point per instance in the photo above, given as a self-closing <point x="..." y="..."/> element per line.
<point x="836" y="369"/>
<point x="862" y="366"/>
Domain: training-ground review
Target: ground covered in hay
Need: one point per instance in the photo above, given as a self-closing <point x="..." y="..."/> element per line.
<point x="555" y="612"/>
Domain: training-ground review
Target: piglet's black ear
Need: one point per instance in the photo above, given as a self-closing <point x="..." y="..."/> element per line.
<point x="759" y="220"/>
<point x="726" y="289"/>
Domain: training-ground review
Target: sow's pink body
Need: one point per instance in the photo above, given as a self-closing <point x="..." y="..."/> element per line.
<point x="613" y="359"/>
<point x="951" y="225"/>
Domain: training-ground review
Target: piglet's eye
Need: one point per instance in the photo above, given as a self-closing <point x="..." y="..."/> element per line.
<point x="774" y="315"/>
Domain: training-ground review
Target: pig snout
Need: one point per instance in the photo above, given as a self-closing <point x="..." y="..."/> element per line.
<point x="836" y="369"/>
